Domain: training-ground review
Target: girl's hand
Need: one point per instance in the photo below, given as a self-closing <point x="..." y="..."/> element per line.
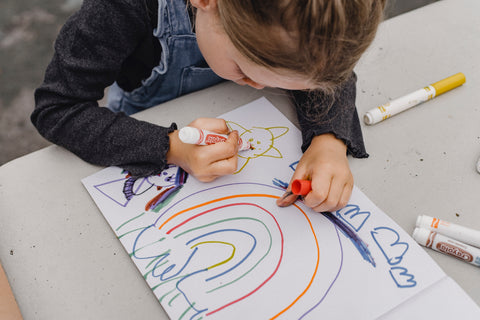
<point x="325" y="163"/>
<point x="205" y="163"/>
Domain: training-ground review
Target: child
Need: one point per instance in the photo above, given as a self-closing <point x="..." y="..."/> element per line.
<point x="148" y="50"/>
<point x="8" y="304"/>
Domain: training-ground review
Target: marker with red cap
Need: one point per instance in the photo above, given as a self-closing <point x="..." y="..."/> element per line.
<point x="192" y="135"/>
<point x="301" y="187"/>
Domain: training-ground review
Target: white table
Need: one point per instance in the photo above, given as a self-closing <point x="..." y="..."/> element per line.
<point x="64" y="262"/>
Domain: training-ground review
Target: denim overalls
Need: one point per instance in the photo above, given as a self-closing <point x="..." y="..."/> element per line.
<point x="181" y="69"/>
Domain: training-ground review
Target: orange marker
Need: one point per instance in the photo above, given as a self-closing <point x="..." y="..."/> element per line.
<point x="301" y="187"/>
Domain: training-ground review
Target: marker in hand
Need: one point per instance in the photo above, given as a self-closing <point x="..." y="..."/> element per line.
<point x="192" y="135"/>
<point x="301" y="187"/>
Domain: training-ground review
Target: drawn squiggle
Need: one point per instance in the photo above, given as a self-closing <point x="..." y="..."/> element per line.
<point x="250" y="196"/>
<point x="221" y="207"/>
<point x="350" y="234"/>
<point x="259" y="260"/>
<point x="331" y="285"/>
<point x="179" y="277"/>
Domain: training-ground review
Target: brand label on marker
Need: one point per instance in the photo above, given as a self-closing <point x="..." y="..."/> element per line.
<point x="431" y="238"/>
<point x="455" y="251"/>
<point x="213" y="138"/>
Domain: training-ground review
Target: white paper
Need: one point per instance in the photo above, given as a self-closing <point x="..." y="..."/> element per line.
<point x="224" y="250"/>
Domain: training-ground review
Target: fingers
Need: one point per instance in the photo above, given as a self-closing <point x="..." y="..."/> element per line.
<point x="211" y="124"/>
<point x="216" y="160"/>
<point x="288" y="197"/>
<point x="329" y="193"/>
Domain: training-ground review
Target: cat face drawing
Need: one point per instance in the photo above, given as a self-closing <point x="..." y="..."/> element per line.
<point x="262" y="140"/>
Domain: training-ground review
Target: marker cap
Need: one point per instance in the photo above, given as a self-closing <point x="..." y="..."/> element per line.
<point x="301" y="187"/>
<point x="189" y="135"/>
<point x="368" y="118"/>
<point x="421" y="235"/>
<point x="449" y="83"/>
<point x="423" y="221"/>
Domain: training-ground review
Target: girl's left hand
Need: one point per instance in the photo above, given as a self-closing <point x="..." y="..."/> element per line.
<point x="325" y="163"/>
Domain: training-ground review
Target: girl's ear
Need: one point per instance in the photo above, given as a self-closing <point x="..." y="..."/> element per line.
<point x="204" y="4"/>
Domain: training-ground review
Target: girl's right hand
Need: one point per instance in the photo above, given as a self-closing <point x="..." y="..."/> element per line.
<point x="206" y="163"/>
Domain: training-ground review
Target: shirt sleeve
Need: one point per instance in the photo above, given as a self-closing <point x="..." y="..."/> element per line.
<point x="319" y="113"/>
<point x="89" y="53"/>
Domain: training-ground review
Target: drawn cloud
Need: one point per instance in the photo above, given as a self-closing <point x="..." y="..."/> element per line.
<point x="352" y="215"/>
<point x="388" y="241"/>
<point x="402" y="278"/>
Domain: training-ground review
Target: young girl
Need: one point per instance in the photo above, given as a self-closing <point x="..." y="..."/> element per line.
<point x="155" y="50"/>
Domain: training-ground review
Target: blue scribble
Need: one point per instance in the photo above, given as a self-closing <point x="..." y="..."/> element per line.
<point x="352" y="215"/>
<point x="293" y="166"/>
<point x="172" y="266"/>
<point x="393" y="249"/>
<point x="402" y="278"/>
<point x="177" y="286"/>
<point x="280" y="183"/>
<point x="361" y="246"/>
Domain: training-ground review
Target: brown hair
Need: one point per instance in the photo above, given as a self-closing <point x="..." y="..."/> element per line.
<point x="320" y="40"/>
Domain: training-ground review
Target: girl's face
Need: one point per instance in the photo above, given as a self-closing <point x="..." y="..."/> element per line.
<point x="227" y="62"/>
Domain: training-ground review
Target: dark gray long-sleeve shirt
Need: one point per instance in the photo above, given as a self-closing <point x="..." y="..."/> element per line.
<point x="112" y="40"/>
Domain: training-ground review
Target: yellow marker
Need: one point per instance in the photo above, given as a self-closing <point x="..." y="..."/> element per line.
<point x="410" y="100"/>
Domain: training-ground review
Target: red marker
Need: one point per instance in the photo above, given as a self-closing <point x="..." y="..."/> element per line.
<point x="193" y="135"/>
<point x="301" y="187"/>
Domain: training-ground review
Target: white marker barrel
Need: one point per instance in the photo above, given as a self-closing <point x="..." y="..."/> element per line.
<point x="393" y="107"/>
<point x="444" y="244"/>
<point x="410" y="100"/>
<point x="197" y="136"/>
<point x="449" y="229"/>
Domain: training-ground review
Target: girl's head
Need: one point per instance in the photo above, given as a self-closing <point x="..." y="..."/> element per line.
<point x="291" y="44"/>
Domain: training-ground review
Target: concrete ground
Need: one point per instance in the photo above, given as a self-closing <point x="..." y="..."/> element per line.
<point x="28" y="29"/>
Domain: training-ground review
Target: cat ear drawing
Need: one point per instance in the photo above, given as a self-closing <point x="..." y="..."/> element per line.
<point x="235" y="126"/>
<point x="277" y="132"/>
<point x="262" y="139"/>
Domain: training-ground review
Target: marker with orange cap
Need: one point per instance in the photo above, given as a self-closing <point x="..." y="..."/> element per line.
<point x="301" y="187"/>
<point x="393" y="107"/>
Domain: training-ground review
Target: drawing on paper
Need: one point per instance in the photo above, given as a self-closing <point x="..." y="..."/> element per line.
<point x="224" y="250"/>
<point x="261" y="138"/>
<point x="342" y="224"/>
<point x="167" y="183"/>
<point x="215" y="252"/>
<point x="216" y="240"/>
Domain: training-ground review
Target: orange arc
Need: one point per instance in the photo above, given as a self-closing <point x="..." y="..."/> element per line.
<point x="267" y="196"/>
